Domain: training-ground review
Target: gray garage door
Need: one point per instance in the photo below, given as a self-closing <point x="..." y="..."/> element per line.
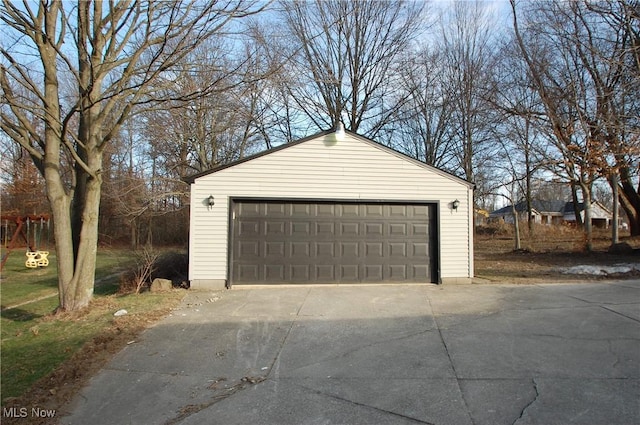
<point x="326" y="242"/>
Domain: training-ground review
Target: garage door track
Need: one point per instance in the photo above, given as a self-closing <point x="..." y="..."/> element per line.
<point x="425" y="354"/>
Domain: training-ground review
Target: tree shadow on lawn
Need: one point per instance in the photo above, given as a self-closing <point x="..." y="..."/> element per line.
<point x="18" y="314"/>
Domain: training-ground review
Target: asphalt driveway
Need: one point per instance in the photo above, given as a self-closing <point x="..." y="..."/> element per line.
<point x="458" y="354"/>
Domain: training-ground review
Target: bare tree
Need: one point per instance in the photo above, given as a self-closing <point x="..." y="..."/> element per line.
<point x="469" y="56"/>
<point x="518" y="111"/>
<point x="110" y="53"/>
<point x="345" y="56"/>
<point x="422" y="120"/>
<point x="582" y="90"/>
<point x="21" y="184"/>
<point x="125" y="197"/>
<point x="607" y="39"/>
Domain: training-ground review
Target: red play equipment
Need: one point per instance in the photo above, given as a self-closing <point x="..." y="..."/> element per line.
<point x="23" y="225"/>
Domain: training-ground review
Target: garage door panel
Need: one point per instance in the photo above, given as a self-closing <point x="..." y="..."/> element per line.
<point x="349" y="229"/>
<point x="300" y="273"/>
<point x="419" y="230"/>
<point x="301" y="229"/>
<point x="325" y="229"/>
<point x="397" y="211"/>
<point x="374" y="249"/>
<point x="420" y="250"/>
<point x="300" y="210"/>
<point x="398" y="249"/>
<point x="325" y="249"/>
<point x="274" y="272"/>
<point x="349" y="250"/>
<point x="248" y="273"/>
<point x="249" y="249"/>
<point x="300" y="249"/>
<point x="250" y="210"/>
<point x="350" y="210"/>
<point x="249" y="228"/>
<point x="276" y="210"/>
<point x="420" y="271"/>
<point x="274" y="228"/>
<point x="274" y="249"/>
<point x="324" y="242"/>
<point x="325" y="273"/>
<point x="373" y="273"/>
<point x="397" y="229"/>
<point x="420" y="211"/>
<point x="398" y="272"/>
<point x="349" y="272"/>
<point x="374" y="230"/>
<point x="374" y="210"/>
<point x="325" y="210"/>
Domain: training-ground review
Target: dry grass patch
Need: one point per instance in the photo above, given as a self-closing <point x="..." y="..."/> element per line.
<point x="546" y="251"/>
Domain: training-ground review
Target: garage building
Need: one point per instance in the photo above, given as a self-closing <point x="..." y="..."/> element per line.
<point x="329" y="209"/>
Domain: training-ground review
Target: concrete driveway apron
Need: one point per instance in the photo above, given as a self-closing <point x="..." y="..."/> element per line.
<point x="390" y="354"/>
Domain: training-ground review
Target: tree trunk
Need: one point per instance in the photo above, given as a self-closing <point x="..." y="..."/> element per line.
<point x="516" y="227"/>
<point x="61" y="212"/>
<point x="80" y="289"/>
<point x="588" y="225"/>
<point x="530" y="218"/>
<point x="134" y="234"/>
<point x="633" y="214"/>
<point x="576" y="205"/>
<point x="615" y="237"/>
<point x="630" y="201"/>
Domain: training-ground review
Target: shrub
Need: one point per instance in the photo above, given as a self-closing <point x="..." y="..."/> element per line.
<point x="136" y="279"/>
<point x="150" y="265"/>
<point x="173" y="266"/>
<point x="495" y="228"/>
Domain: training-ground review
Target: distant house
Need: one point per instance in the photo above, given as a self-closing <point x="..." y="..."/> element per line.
<point x="554" y="212"/>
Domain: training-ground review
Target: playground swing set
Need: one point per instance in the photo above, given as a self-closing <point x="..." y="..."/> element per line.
<point x="31" y="228"/>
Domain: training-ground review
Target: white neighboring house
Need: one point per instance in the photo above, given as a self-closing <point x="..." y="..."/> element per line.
<point x="330" y="208"/>
<point x="555" y="212"/>
<point x="600" y="215"/>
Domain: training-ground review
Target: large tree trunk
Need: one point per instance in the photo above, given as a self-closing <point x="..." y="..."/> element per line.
<point x="576" y="204"/>
<point x="61" y="212"/>
<point x="79" y="290"/>
<point x="630" y="201"/>
<point x="76" y="265"/>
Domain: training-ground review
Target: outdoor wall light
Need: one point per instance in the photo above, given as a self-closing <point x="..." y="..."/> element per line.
<point x="211" y="201"/>
<point x="455" y="204"/>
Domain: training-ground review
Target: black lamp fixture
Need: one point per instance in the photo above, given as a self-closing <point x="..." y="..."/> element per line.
<point x="455" y="204"/>
<point x="211" y="201"/>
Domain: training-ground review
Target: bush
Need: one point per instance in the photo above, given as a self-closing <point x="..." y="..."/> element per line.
<point x="135" y="280"/>
<point x="173" y="266"/>
<point x="150" y="265"/>
<point x="495" y="228"/>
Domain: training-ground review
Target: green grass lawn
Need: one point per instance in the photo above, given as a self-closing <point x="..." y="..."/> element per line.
<point x="35" y="342"/>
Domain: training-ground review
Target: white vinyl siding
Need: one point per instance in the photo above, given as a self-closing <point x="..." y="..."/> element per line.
<point x="352" y="169"/>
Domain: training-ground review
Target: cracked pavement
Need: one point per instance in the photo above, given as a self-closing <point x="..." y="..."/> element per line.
<point x="388" y="354"/>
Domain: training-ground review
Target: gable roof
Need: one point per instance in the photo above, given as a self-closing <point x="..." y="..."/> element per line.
<point x="191" y="179"/>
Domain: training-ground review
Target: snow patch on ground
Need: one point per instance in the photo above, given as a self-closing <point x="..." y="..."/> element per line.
<point x="601" y="270"/>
